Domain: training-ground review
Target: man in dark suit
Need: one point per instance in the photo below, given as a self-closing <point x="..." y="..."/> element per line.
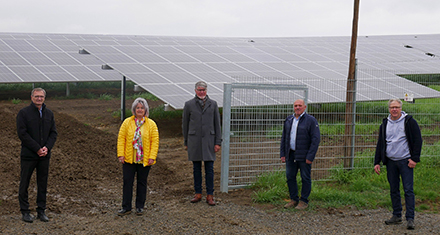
<point x="37" y="132"/>
<point x="202" y="139"/>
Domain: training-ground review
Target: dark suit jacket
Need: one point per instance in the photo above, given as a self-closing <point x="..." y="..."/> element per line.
<point x="35" y="132"/>
<point x="308" y="137"/>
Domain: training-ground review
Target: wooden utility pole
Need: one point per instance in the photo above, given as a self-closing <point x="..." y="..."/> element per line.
<point x="350" y="99"/>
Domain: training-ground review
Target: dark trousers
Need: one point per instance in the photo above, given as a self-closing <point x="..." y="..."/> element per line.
<point x="305" y="169"/>
<point x="129" y="171"/>
<point x="27" y="168"/>
<point x="395" y="171"/>
<point x="209" y="176"/>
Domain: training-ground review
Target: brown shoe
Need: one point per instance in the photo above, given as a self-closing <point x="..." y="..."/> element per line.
<point x="301" y="205"/>
<point x="210" y="200"/>
<point x="197" y="198"/>
<point x="291" y="204"/>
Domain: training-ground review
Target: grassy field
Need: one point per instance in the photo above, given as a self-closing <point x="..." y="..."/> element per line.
<point x="360" y="188"/>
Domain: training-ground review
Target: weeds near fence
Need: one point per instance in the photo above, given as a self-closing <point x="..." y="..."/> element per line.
<point x="360" y="188"/>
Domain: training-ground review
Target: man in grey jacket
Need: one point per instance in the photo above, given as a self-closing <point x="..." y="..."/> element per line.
<point x="398" y="147"/>
<point x="202" y="139"/>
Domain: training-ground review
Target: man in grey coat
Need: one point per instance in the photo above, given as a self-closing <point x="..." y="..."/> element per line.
<point x="202" y="139"/>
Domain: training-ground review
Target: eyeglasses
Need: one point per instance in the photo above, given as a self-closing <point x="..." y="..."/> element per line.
<point x="395" y="107"/>
<point x="201" y="90"/>
<point x="39" y="97"/>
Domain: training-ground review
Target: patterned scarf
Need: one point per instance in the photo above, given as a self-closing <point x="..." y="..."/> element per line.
<point x="137" y="140"/>
<point x="202" y="102"/>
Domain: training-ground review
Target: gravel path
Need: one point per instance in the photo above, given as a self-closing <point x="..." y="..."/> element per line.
<point x="181" y="217"/>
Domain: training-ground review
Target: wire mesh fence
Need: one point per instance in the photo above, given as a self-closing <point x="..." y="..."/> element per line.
<point x="257" y="115"/>
<point x="252" y="124"/>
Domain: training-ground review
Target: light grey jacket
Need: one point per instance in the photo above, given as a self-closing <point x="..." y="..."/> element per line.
<point x="201" y="129"/>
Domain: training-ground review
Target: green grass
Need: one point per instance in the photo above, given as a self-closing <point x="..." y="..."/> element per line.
<point x="272" y="187"/>
<point x="74" y="86"/>
<point x="145" y="95"/>
<point x="16" y="101"/>
<point x="105" y="97"/>
<point x="359" y="188"/>
<point x="157" y="113"/>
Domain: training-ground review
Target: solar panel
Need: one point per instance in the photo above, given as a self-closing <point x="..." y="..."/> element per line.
<point x="47" y="58"/>
<point x="168" y="66"/>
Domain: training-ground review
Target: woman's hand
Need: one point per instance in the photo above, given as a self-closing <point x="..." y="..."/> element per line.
<point x="121" y="159"/>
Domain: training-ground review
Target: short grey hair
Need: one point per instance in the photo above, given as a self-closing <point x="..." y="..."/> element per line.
<point x="38" y="89"/>
<point x="140" y="101"/>
<point x="201" y="84"/>
<point x="394" y="100"/>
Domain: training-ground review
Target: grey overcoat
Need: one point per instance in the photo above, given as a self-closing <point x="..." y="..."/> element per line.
<point x="201" y="129"/>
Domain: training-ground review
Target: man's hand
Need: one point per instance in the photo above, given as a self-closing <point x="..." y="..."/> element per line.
<point x="308" y="161"/>
<point x="411" y="163"/>
<point x="43" y="151"/>
<point x="283" y="159"/>
<point x="216" y="148"/>
<point x="377" y="169"/>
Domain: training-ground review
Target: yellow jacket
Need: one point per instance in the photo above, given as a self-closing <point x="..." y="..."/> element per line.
<point x="150" y="140"/>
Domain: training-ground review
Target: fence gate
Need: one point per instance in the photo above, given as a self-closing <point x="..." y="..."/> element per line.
<point x="253" y="118"/>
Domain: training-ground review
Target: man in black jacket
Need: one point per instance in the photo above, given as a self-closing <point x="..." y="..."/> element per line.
<point x="37" y="132"/>
<point x="399" y="147"/>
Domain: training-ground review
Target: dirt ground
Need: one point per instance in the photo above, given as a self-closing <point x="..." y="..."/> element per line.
<point x="85" y="185"/>
<point x="84" y="172"/>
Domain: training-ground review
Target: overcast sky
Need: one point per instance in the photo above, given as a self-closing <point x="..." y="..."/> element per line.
<point x="220" y="18"/>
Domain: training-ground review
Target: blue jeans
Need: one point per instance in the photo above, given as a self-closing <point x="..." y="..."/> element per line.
<point x="395" y="171"/>
<point x="305" y="169"/>
<point x="209" y="176"/>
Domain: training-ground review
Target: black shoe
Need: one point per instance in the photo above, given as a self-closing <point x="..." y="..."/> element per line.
<point x="410" y="224"/>
<point x="394" y="220"/>
<point x="139" y="211"/>
<point x="42" y="216"/>
<point x="27" y="218"/>
<point x="123" y="212"/>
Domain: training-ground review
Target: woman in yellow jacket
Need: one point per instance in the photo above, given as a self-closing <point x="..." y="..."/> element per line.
<point x="138" y="144"/>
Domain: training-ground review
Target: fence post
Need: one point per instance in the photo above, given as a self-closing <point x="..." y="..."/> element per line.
<point x="227" y="89"/>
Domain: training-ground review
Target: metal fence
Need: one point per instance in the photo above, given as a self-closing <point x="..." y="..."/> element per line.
<point x="252" y="129"/>
<point x="253" y="118"/>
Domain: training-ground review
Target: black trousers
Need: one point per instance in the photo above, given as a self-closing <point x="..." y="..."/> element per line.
<point x="27" y="168"/>
<point x="129" y="171"/>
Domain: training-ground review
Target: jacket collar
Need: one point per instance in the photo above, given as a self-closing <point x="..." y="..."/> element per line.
<point x="43" y="106"/>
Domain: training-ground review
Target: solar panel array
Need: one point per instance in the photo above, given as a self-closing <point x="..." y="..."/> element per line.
<point x="168" y="67"/>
